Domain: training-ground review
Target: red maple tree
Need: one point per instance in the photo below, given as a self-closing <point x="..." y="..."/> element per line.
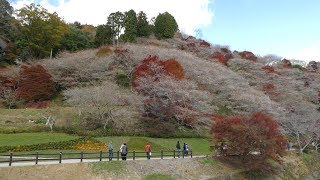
<point x="253" y="140"/>
<point x="36" y="84"/>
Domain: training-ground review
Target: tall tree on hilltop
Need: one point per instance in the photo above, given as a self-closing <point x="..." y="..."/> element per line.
<point x="75" y="39"/>
<point x="130" y="25"/>
<point x="165" y="26"/>
<point x="41" y="31"/>
<point x="8" y="31"/>
<point x="103" y="35"/>
<point x="143" y="27"/>
<point x="116" y="22"/>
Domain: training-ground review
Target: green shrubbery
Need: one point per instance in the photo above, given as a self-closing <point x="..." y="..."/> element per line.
<point x="63" y="145"/>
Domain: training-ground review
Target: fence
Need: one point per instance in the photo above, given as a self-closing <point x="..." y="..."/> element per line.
<point x="59" y="157"/>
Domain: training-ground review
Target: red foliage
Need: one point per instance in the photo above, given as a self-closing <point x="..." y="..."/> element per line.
<point x="36" y="84"/>
<point x="38" y="104"/>
<point x="268" y="88"/>
<point x="245" y="135"/>
<point x="204" y="43"/>
<point x="7" y="82"/>
<point x="222" y="58"/>
<point x="191" y="45"/>
<point x="286" y="63"/>
<point x="169" y="67"/>
<point x="225" y="50"/>
<point x="270" y="69"/>
<point x="248" y="55"/>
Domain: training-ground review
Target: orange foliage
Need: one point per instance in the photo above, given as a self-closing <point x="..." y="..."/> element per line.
<point x="169" y="67"/>
<point x="270" y="69"/>
<point x="248" y="55"/>
<point x="90" y="145"/>
<point x="223" y="59"/>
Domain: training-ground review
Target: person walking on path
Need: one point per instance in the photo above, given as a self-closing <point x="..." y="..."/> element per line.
<point x="147" y="149"/>
<point x="124" y="151"/>
<point x="186" y="149"/>
<point x="289" y="145"/>
<point x="110" y="148"/>
<point x="178" y="147"/>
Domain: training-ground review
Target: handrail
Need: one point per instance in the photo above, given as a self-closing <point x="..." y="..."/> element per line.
<point x="100" y="155"/>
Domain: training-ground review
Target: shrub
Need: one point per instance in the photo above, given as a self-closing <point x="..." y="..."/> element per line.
<point x="248" y="55"/>
<point x="297" y="66"/>
<point x="36" y="84"/>
<point x="104" y="51"/>
<point x="63" y="145"/>
<point x="222" y="58"/>
<point x="204" y="43"/>
<point x="286" y="63"/>
<point x="247" y="136"/>
<point x="122" y="79"/>
<point x="269" y="88"/>
<point x="165" y="26"/>
<point x="153" y="67"/>
<point x="168" y="96"/>
<point x="270" y="69"/>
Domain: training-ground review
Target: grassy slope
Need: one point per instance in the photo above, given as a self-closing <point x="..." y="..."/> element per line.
<point x="33" y="138"/>
<point x="198" y="145"/>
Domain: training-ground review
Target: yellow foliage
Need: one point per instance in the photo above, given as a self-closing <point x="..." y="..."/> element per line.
<point x="90" y="145"/>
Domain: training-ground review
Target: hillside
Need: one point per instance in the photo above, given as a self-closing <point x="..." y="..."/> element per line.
<point x="238" y="86"/>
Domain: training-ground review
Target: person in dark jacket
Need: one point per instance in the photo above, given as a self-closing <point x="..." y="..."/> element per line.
<point x="178" y="147"/>
<point x="124" y="151"/>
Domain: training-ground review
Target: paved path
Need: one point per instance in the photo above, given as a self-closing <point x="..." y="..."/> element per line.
<point x="70" y="161"/>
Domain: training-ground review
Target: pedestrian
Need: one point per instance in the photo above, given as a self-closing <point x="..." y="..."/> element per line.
<point x="110" y="148"/>
<point x="178" y="147"/>
<point x="184" y="149"/>
<point x="289" y="145"/>
<point x="187" y="150"/>
<point x="124" y="151"/>
<point x="147" y="149"/>
<point x="221" y="148"/>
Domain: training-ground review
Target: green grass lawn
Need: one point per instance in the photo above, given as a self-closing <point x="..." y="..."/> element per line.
<point x="198" y="145"/>
<point x="33" y="138"/>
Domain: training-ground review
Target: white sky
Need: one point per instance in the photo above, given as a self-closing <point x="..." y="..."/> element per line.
<point x="190" y="14"/>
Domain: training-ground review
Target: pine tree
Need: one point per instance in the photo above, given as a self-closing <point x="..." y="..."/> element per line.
<point x="143" y="26"/>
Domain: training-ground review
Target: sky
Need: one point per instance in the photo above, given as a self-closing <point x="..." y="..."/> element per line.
<point x="287" y="28"/>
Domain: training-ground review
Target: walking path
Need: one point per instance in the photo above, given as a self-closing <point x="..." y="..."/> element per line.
<point x="71" y="161"/>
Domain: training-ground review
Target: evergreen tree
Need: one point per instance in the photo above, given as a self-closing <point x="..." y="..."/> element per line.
<point x="130" y="25"/>
<point x="165" y="26"/>
<point x="143" y="28"/>
<point x="103" y="35"/>
<point x="75" y="39"/>
<point x="116" y="22"/>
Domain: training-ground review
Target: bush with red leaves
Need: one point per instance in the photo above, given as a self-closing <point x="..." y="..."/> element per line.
<point x="222" y="58"/>
<point x="248" y="55"/>
<point x="153" y="67"/>
<point x="270" y="69"/>
<point x="251" y="141"/>
<point x="269" y="88"/>
<point x="36" y="84"/>
<point x="204" y="43"/>
<point x="191" y="45"/>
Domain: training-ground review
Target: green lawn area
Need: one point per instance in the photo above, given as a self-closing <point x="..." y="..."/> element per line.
<point x="33" y="138"/>
<point x="198" y="145"/>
